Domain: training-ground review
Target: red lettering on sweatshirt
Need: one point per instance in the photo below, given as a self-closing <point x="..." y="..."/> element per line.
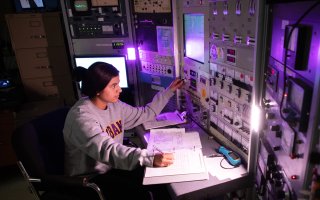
<point x="114" y="129"/>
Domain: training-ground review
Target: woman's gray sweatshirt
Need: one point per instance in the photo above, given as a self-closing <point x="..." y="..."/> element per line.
<point x="93" y="137"/>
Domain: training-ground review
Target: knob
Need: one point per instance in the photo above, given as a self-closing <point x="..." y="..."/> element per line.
<point x="248" y="98"/>
<point x="278" y="134"/>
<point x="213" y="81"/>
<point x="238" y="92"/>
<point x="276" y="148"/>
<point x="229" y="88"/>
<point x="281" y="194"/>
<point x="286" y="110"/>
<point x="267" y="105"/>
<point x="276" y="175"/>
<point x="221" y="84"/>
<point x="267" y="100"/>
<point x="278" y="183"/>
<point x="270" y="115"/>
<point x="275" y="128"/>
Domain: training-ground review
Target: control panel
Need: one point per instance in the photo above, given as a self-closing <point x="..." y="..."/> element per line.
<point x="156" y="64"/>
<point x="98" y="27"/>
<point x="97" y="19"/>
<point x="231" y="53"/>
<point x="154" y="36"/>
<point x="284" y="168"/>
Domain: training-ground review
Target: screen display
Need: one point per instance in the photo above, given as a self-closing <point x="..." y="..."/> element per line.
<point x="81" y="5"/>
<point x="231" y="52"/>
<point x="36" y="5"/>
<point x="104" y="3"/>
<point x="231" y="59"/>
<point x="31" y="4"/>
<point x="296" y="95"/>
<point x="118" y="62"/>
<point x="194" y="36"/>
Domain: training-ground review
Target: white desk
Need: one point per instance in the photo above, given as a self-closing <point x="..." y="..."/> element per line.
<point x="205" y="189"/>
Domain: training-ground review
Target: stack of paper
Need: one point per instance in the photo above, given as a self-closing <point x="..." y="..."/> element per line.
<point x="166" y="119"/>
<point x="188" y="163"/>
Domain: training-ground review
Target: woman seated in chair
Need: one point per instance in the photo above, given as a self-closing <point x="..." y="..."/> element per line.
<point x="94" y="131"/>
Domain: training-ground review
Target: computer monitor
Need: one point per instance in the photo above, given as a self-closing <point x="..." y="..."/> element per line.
<point x="36" y="5"/>
<point x="194" y="36"/>
<point x="117" y="61"/>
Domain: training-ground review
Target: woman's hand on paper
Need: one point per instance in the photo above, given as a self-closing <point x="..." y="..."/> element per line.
<point x="163" y="159"/>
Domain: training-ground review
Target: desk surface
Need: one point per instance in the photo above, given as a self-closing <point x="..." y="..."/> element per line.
<point x="206" y="188"/>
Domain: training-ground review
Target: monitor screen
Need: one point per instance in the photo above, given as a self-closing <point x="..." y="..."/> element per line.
<point x="81" y="6"/>
<point x="295" y="95"/>
<point x="31" y="3"/>
<point x="118" y="62"/>
<point x="36" y="5"/>
<point x="194" y="36"/>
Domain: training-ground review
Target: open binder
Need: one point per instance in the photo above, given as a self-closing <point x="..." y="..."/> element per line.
<point x="188" y="163"/>
<point x="166" y="119"/>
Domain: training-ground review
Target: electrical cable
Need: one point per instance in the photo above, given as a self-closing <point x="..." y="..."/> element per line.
<point x="223" y="166"/>
<point x="286" y="44"/>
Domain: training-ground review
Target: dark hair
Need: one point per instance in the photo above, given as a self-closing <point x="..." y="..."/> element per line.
<point x="95" y="78"/>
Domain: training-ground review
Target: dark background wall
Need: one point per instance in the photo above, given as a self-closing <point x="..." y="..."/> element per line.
<point x="7" y="61"/>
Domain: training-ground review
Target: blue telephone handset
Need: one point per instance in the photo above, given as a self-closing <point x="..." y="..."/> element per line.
<point x="233" y="158"/>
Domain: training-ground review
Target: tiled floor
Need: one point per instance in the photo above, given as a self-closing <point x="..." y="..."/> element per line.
<point x="12" y="185"/>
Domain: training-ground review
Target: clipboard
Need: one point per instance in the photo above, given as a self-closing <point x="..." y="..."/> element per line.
<point x="166" y="119"/>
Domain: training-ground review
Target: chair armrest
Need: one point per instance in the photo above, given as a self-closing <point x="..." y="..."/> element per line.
<point x="64" y="182"/>
<point x="96" y="188"/>
<point x="59" y="181"/>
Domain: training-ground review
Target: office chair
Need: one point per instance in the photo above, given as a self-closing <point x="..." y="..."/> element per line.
<point x="39" y="147"/>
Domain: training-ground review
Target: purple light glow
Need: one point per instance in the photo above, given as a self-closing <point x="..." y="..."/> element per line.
<point x="131" y="53"/>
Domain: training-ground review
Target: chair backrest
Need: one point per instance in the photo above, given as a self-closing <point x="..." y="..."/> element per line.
<point x="39" y="144"/>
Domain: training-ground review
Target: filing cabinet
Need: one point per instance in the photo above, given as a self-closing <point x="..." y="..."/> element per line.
<point x="7" y="124"/>
<point x="39" y="46"/>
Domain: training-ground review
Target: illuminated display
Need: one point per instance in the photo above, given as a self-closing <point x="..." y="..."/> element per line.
<point x="81" y="6"/>
<point x="27" y="4"/>
<point x="117" y="45"/>
<point x="118" y="62"/>
<point x="96" y="3"/>
<point x="203" y="80"/>
<point x="231" y="52"/>
<point x="231" y="59"/>
<point x="193" y="73"/>
<point x="193" y="83"/>
<point x="194" y="36"/>
<point x="296" y="95"/>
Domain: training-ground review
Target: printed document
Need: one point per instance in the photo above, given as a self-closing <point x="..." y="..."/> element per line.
<point x="166" y="119"/>
<point x="188" y="163"/>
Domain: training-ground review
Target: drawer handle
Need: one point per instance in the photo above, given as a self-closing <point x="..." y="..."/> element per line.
<point x="52" y="95"/>
<point x="44" y="67"/>
<point x="48" y="83"/>
<point x="41" y="54"/>
<point x="37" y="36"/>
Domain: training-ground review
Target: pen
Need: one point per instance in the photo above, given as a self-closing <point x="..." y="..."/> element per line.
<point x="156" y="148"/>
<point x="182" y="80"/>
